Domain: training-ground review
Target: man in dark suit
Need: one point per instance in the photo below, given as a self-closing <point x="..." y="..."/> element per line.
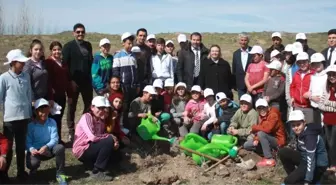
<point x="330" y="52"/>
<point x="241" y="60"/>
<point x="189" y="60"/>
<point x="78" y="55"/>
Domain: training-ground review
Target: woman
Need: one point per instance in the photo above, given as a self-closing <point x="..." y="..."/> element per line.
<point x="59" y="79"/>
<point x="215" y="69"/>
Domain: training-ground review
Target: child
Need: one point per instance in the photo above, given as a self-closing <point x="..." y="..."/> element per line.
<point x="299" y="88"/>
<point x="16" y="97"/>
<point x="157" y="103"/>
<point x="209" y="112"/>
<point x="170" y="50"/>
<point x="162" y="63"/>
<point x="275" y="55"/>
<point x="101" y="69"/>
<point x="42" y="141"/>
<point x="257" y="74"/>
<point x="168" y="93"/>
<point x="309" y="161"/>
<point x="193" y="114"/>
<point x="242" y="121"/>
<point x="114" y="87"/>
<point x="3" y="162"/>
<point x="137" y="52"/>
<point x="274" y="88"/>
<point x="269" y="133"/>
<point x="327" y="104"/>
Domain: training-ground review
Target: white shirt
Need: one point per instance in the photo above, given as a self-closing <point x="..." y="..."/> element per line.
<point x="162" y="67"/>
<point x="317" y="86"/>
<point x="244" y="57"/>
<point x="210" y="112"/>
<point x="333" y="57"/>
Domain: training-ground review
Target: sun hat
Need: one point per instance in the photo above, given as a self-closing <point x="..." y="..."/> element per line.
<point x="261" y="102"/>
<point x="150" y="89"/>
<point x="276" y="34"/>
<point x="103" y="42"/>
<point x="246" y="97"/>
<point x="208" y="92"/>
<point x="256" y="50"/>
<point x="221" y="96"/>
<point x="158" y="83"/>
<point x="296" y="115"/>
<point x="15" y="55"/>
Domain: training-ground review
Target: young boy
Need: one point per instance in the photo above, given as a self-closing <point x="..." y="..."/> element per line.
<point x="209" y="112"/>
<point x="168" y="94"/>
<point x="16" y="97"/>
<point x="101" y="69"/>
<point x="3" y="156"/>
<point x="309" y="161"/>
<point x="170" y="50"/>
<point x="162" y="63"/>
<point x="274" y="88"/>
<point x="42" y="141"/>
<point x="269" y="133"/>
<point x="275" y="55"/>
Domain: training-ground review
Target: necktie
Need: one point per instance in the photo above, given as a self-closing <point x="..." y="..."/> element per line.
<point x="330" y="55"/>
<point x="197" y="64"/>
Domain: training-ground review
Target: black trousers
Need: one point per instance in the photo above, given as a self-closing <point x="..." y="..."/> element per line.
<point x="296" y="168"/>
<point x="129" y="95"/>
<point x="60" y="100"/>
<point x="16" y="130"/>
<point x="87" y="95"/>
<point x="330" y="138"/>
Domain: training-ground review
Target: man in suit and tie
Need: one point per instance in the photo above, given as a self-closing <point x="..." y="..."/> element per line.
<point x="330" y="52"/>
<point x="241" y="60"/>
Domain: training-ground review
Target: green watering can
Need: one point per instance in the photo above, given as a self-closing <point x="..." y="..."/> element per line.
<point x="211" y="149"/>
<point x="193" y="141"/>
<point x="148" y="129"/>
<point x="228" y="141"/>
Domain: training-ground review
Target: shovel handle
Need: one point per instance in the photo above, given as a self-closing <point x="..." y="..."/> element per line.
<point x="198" y="153"/>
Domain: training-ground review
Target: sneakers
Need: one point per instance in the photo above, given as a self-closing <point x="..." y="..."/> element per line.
<point x="22" y="177"/>
<point x="101" y="176"/>
<point x="266" y="163"/>
<point x="62" y="179"/>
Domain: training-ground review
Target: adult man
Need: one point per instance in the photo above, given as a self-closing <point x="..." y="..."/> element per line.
<point x="78" y="55"/>
<point x="276" y="40"/>
<point x="330" y="52"/>
<point x="241" y="60"/>
<point x="302" y="38"/>
<point x="189" y="60"/>
<point x="151" y="42"/>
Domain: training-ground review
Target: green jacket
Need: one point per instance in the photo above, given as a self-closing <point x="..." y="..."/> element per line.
<point x="243" y="122"/>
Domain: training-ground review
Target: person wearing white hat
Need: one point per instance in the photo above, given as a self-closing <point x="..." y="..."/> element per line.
<point x="269" y="133"/>
<point x="275" y="55"/>
<point x="43" y="141"/>
<point x="15" y="93"/>
<point x="168" y="93"/>
<point x="161" y="62"/>
<point x="302" y="38"/>
<point x="276" y="44"/>
<point x="209" y="110"/>
<point x="309" y="160"/>
<point x="151" y="42"/>
<point x="289" y="58"/>
<point x="330" y="52"/>
<point x="136" y="51"/>
<point x="183" y="42"/>
<point x="170" y="50"/>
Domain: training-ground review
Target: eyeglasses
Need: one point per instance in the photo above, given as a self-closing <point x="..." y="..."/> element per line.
<point x="78" y="32"/>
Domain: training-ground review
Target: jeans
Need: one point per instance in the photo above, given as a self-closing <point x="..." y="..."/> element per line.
<point x="60" y="100"/>
<point x="266" y="141"/>
<point x="330" y="136"/>
<point x="241" y="93"/>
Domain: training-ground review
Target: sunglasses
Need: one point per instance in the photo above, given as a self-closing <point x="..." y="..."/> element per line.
<point x="78" y="32"/>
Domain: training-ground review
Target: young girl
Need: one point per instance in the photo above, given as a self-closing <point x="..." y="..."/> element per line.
<point x="168" y="93"/>
<point x="209" y="112"/>
<point x="193" y="114"/>
<point x="60" y="82"/>
<point x="178" y="105"/>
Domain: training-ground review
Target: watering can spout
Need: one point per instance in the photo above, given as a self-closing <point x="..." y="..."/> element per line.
<point x="171" y="141"/>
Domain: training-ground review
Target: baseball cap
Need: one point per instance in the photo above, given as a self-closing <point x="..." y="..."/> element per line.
<point x="246" y="97"/>
<point x="301" y="36"/>
<point x="104" y="41"/>
<point x="297" y="48"/>
<point x="99" y="101"/>
<point x="150" y="36"/>
<point x="180" y="84"/>
<point x="181" y="38"/>
<point x="126" y="35"/>
<point x="150" y="89"/>
<point x="40" y="102"/>
<point x="169" y="82"/>
<point x="221" y="96"/>
<point x="208" y="92"/>
<point x="275" y="64"/>
<point x="296" y="115"/>
<point x="169" y="42"/>
<point x="196" y="88"/>
<point x="275" y="53"/>
<point x="158" y="83"/>
<point x="289" y="48"/>
<point x="15" y="55"/>
<point x="331" y="68"/>
<point x="256" y="49"/>
<point x="261" y="102"/>
<point x="276" y="34"/>
<point x="317" y="57"/>
<point x="302" y="56"/>
<point x="135" y="49"/>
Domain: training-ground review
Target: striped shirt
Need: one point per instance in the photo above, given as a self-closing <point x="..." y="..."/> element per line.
<point x="125" y="66"/>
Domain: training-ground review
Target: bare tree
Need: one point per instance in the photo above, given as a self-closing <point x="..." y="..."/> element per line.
<point x="24" y="20"/>
<point x="2" y="19"/>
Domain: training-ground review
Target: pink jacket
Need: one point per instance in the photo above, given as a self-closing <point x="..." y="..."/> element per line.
<point x="194" y="110"/>
<point x="87" y="130"/>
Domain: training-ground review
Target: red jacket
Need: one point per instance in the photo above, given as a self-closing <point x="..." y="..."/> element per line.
<point x="3" y="145"/>
<point x="299" y="87"/>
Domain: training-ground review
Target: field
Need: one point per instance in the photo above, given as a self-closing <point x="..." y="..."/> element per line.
<point x="141" y="166"/>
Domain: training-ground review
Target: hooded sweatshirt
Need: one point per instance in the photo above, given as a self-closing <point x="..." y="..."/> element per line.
<point x="101" y="71"/>
<point x="225" y="115"/>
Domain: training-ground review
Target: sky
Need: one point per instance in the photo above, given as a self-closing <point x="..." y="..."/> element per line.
<point x="157" y="16"/>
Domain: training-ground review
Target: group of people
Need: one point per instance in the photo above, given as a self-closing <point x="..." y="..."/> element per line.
<point x="286" y="108"/>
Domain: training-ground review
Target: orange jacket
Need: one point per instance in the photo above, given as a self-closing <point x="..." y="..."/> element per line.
<point x="271" y="124"/>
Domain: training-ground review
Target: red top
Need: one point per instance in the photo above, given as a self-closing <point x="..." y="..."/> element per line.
<point x="256" y="74"/>
<point x="116" y="127"/>
<point x="299" y="87"/>
<point x="329" y="118"/>
<point x="167" y="99"/>
<point x="3" y="145"/>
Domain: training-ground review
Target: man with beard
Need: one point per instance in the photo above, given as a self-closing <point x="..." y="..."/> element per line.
<point x="302" y="38"/>
<point x="330" y="52"/>
<point x="276" y="40"/>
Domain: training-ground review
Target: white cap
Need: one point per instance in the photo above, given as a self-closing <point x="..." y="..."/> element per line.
<point x="317" y="57"/>
<point x="15" y="55"/>
<point x="275" y="53"/>
<point x="297" y="48"/>
<point x="40" y="102"/>
<point x="150" y="89"/>
<point x="135" y="49"/>
<point x="181" y="38"/>
<point x="276" y="34"/>
<point x="302" y="56"/>
<point x="289" y="48"/>
<point x="181" y="84"/>
<point x="221" y="96"/>
<point x="296" y="115"/>
<point x="158" y="83"/>
<point x="246" y="97"/>
<point x="169" y="42"/>
<point x="331" y="68"/>
<point x="99" y="101"/>
<point x="169" y="82"/>
<point x="261" y="102"/>
<point x="208" y="92"/>
<point x="275" y="64"/>
<point x="256" y="49"/>
<point x="196" y="88"/>
<point x="151" y="36"/>
<point x="301" y="36"/>
<point x="126" y="35"/>
<point x="104" y="41"/>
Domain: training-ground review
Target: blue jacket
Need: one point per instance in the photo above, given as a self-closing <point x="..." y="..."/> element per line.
<point x="225" y="115"/>
<point x="101" y="71"/>
<point x="125" y="66"/>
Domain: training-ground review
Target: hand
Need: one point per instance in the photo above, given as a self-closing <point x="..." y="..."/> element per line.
<point x="74" y="86"/>
<point x="292" y="101"/>
<point x="249" y="89"/>
<point x="51" y="103"/>
<point x="254" y="92"/>
<point x="142" y="115"/>
<point x="266" y="98"/>
<point x="157" y="114"/>
<point x="215" y="121"/>
<point x="115" y="141"/>
<point x="316" y="99"/>
<point x="154" y="119"/>
<point x="3" y="163"/>
<point x="307" y="95"/>
<point x="255" y="143"/>
<point x="204" y="127"/>
<point x="34" y="152"/>
<point x="114" y="115"/>
<point x="125" y="140"/>
<point x="229" y="130"/>
<point x="69" y="101"/>
<point x="186" y="120"/>
<point x="43" y="150"/>
<point x="234" y="132"/>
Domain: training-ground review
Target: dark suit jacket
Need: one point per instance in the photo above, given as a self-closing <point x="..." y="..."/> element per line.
<point x="238" y="71"/>
<point x="325" y="54"/>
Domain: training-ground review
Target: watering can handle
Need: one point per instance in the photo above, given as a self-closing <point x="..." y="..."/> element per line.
<point x="235" y="141"/>
<point x="150" y="116"/>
